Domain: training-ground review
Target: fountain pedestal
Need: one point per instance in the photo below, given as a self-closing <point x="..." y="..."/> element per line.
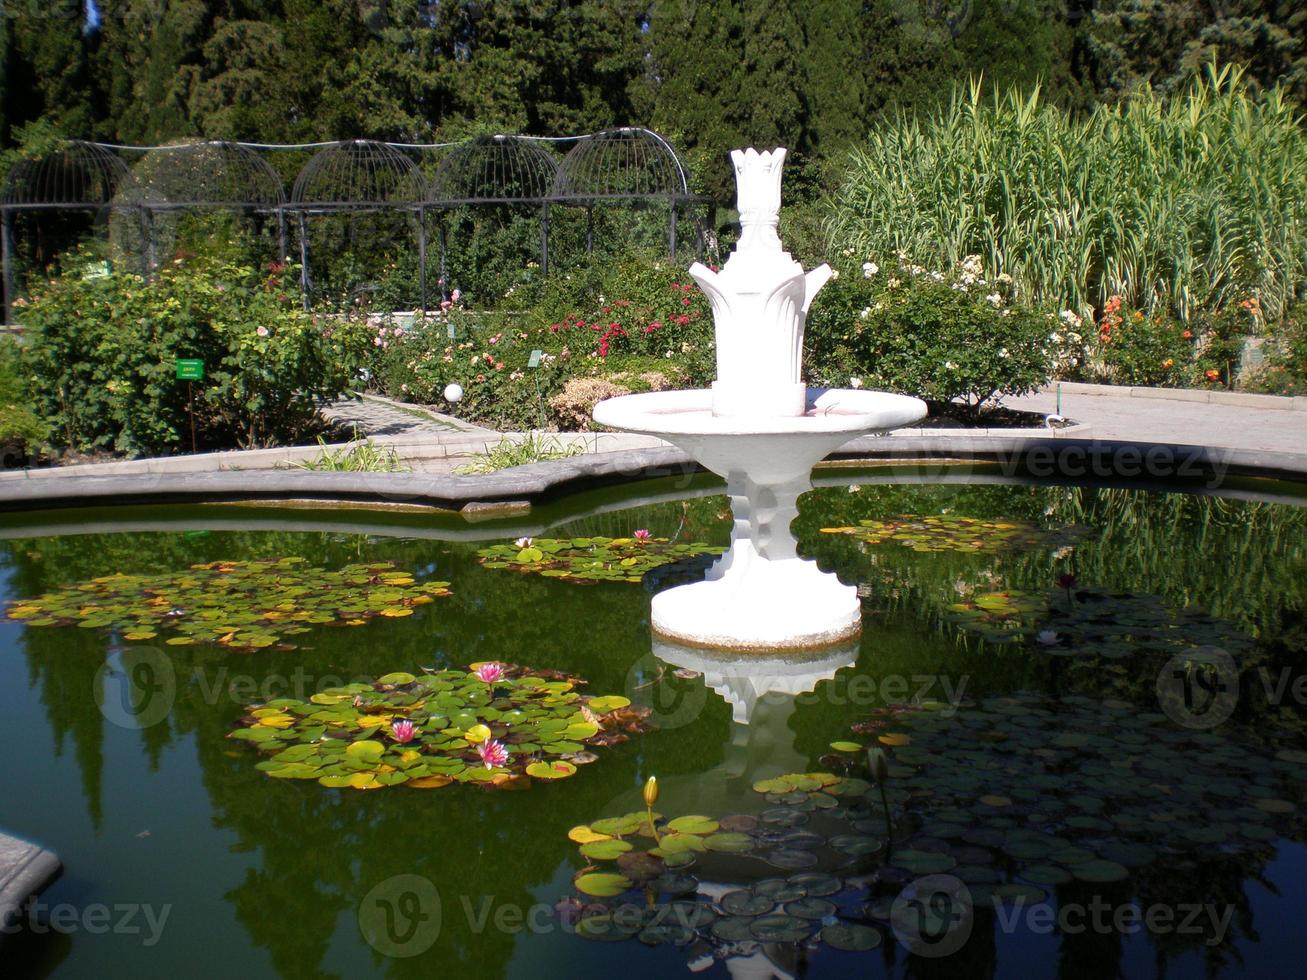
<point x="760" y="595"/>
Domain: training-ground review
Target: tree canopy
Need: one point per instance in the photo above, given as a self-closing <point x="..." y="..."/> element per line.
<point x="815" y="75"/>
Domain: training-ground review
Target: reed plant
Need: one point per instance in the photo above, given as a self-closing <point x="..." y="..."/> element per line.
<point x="1179" y="205"/>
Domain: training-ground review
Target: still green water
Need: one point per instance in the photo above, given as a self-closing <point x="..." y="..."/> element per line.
<point x="182" y="858"/>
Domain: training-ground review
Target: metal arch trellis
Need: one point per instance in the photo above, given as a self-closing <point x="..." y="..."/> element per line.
<point x="354" y="176"/>
<point x="624" y="164"/>
<point x="202" y="175"/>
<point x="79" y="176"/>
<point x="496" y="169"/>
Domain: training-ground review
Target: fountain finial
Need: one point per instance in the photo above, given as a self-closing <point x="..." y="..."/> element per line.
<point x="760" y="301"/>
<point x="758" y="195"/>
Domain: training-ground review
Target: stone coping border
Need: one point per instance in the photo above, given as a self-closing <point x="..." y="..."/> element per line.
<point x="26" y="869"/>
<point x="515" y="490"/>
<point x="410" y="447"/>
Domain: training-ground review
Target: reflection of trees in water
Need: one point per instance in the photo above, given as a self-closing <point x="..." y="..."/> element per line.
<point x="63" y="663"/>
<point x="1241" y="561"/>
<point x="321" y="851"/>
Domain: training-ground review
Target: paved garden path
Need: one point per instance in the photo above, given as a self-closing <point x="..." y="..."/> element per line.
<point x="1218" y="419"/>
<point x="382" y="417"/>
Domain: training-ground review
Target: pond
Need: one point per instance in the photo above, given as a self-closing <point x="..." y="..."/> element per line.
<point x="1083" y="709"/>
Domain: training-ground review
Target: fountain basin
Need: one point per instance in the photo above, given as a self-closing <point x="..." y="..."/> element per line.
<point x="760" y="595"/>
<point x="773" y="447"/>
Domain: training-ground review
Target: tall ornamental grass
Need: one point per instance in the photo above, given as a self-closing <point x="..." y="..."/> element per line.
<point x="1184" y="205"/>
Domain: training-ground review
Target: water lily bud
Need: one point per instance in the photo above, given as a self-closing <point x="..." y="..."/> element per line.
<point x="651" y="791"/>
<point x="878" y="764"/>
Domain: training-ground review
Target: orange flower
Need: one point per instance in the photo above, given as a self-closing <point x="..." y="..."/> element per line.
<point x="1212" y="375"/>
<point x="1188" y="335"/>
<point x="1169" y="362"/>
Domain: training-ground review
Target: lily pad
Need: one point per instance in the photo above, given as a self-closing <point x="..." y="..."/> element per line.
<point x="602" y="884"/>
<point x="745" y="903"/>
<point x="780" y="929"/>
<point x="851" y="937"/>
<point x="951" y="532"/>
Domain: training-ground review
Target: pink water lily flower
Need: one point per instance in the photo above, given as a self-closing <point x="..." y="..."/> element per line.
<point x="493" y="753"/>
<point x="642" y="534"/>
<point x="403" y="731"/>
<point x="490" y="673"/>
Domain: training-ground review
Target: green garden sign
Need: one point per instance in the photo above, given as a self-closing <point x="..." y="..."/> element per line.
<point x="190" y="369"/>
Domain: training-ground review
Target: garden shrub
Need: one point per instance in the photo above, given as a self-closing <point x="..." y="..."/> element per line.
<point x="21" y="432"/>
<point x="1135" y="347"/>
<point x="1285" y="369"/>
<point x="942" y="338"/>
<point x="101" y="352"/>
<point x="575" y="403"/>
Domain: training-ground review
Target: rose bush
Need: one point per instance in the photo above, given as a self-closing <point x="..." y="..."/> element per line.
<point x="944" y="338"/>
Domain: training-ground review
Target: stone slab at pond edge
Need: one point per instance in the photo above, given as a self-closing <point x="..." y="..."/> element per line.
<point x="25" y="871"/>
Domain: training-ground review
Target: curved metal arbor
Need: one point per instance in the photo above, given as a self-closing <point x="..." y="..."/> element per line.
<point x="495" y="170"/>
<point x="211" y="174"/>
<point x="353" y="176"/>
<point x="79" y="176"/>
<point x="358" y="175"/>
<point x="195" y="175"/>
<point x="622" y="164"/>
<point x="626" y="164"/>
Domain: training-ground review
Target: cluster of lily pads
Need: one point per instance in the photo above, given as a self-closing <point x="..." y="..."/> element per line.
<point x="241" y="605"/>
<point x="947" y="532"/>
<point x="495" y="725"/>
<point x="593" y="559"/>
<point x="644" y="872"/>
<point x="1089" y="622"/>
<point x="1015" y="795"/>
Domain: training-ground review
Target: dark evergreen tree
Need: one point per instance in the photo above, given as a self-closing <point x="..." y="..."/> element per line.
<point x="1165" y="43"/>
<point x="46" y="49"/>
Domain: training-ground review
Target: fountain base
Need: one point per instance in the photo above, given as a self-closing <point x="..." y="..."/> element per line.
<point x="773" y="605"/>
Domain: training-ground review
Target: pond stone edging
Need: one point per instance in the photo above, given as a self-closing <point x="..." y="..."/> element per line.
<point x="26" y="869"/>
<point x="515" y="490"/>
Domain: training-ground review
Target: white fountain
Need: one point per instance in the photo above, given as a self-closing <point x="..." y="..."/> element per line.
<point x="763" y="430"/>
